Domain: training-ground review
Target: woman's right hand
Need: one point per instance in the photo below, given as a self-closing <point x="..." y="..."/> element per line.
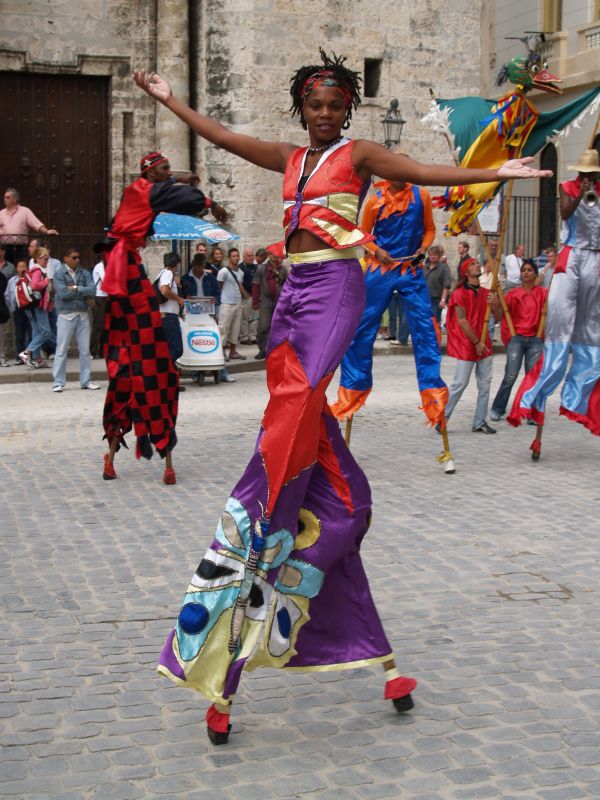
<point x="152" y="84"/>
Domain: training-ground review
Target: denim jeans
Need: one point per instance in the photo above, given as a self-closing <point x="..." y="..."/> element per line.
<point x="65" y="330"/>
<point x="22" y="330"/>
<point x="436" y="311"/>
<point x="460" y="381"/>
<point x="398" y="319"/>
<point x="519" y="348"/>
<point x="172" y="330"/>
<point x="41" y="334"/>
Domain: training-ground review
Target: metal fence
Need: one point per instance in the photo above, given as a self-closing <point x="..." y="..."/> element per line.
<point x="533" y="221"/>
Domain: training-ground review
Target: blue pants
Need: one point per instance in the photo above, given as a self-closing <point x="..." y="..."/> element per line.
<point x="41" y="333"/>
<point x="519" y="348"/>
<point x="172" y="330"/>
<point x="66" y="329"/>
<point x="357" y="365"/>
<point x="398" y="319"/>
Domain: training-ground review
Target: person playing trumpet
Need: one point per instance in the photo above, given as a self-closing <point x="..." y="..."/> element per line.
<point x="573" y="303"/>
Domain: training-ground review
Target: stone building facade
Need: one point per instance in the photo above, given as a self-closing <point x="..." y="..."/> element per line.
<point x="234" y="58"/>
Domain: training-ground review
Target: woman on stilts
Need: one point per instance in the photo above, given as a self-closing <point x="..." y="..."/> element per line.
<point x="282" y="584"/>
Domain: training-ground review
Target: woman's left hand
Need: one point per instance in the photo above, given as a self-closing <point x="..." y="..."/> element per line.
<point x="153" y="84"/>
<point x="519" y="168"/>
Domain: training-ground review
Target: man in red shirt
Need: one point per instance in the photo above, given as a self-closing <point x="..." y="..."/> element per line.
<point x="464" y="323"/>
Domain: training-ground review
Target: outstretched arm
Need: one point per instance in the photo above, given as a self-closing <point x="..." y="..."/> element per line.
<point x="374" y="159"/>
<point x="270" y="155"/>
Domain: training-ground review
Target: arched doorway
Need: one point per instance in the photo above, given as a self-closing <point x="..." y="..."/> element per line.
<point x="547" y="222"/>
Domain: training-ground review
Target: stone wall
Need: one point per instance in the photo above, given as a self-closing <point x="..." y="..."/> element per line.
<point x="252" y="48"/>
<point x="247" y="50"/>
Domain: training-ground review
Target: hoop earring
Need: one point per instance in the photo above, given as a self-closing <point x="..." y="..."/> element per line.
<point x="346" y="125"/>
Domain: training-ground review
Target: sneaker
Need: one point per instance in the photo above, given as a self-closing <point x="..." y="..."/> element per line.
<point x="484" y="428"/>
<point x="58" y="387"/>
<point x="19" y="362"/>
<point x="228" y="379"/>
<point x="90" y="385"/>
<point x="26" y="358"/>
<point x="393" y="341"/>
<point x="495" y="417"/>
<point x="246" y="341"/>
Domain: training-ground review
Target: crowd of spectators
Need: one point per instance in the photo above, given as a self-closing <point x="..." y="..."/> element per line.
<point x="64" y="301"/>
<point x="244" y="287"/>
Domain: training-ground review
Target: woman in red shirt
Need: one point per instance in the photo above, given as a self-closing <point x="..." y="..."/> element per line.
<point x="526" y="304"/>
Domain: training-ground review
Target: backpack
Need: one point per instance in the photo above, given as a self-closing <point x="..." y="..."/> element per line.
<point x="25" y="296"/>
<point x="159" y="295"/>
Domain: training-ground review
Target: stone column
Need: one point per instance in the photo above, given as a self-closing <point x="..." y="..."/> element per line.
<point x="172" y="59"/>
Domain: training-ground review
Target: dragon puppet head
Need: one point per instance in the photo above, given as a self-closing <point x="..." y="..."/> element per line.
<point x="529" y="72"/>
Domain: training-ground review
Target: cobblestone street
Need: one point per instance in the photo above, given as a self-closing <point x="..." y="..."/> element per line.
<point x="487" y="582"/>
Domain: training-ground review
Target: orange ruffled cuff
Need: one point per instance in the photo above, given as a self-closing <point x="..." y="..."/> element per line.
<point x="434" y="404"/>
<point x="349" y="402"/>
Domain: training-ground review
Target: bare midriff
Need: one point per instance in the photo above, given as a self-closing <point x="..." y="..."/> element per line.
<point x="304" y="242"/>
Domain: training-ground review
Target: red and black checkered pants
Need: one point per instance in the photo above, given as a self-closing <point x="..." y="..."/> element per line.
<point x="143" y="383"/>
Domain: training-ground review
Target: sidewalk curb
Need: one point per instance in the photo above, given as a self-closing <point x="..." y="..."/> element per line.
<point x="24" y="374"/>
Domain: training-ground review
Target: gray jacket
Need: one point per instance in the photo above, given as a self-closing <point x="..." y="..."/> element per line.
<point x="68" y="300"/>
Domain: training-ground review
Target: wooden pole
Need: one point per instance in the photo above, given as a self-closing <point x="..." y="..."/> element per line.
<point x="496" y="270"/>
<point x="542" y="325"/>
<point x="348" y="432"/>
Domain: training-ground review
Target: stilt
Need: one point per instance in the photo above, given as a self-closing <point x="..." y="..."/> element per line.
<point x="536" y="445"/>
<point x="398" y="688"/>
<point x="446" y="458"/>
<point x="348" y="431"/>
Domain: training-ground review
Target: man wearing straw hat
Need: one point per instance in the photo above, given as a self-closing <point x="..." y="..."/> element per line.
<point x="573" y="321"/>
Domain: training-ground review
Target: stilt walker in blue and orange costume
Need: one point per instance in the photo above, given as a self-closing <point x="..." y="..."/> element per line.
<point x="282" y="584"/>
<point x="400" y="218"/>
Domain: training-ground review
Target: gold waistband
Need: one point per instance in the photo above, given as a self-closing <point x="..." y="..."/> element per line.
<point x="329" y="254"/>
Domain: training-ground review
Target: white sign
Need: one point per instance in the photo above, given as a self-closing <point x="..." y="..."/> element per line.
<point x="489" y="217"/>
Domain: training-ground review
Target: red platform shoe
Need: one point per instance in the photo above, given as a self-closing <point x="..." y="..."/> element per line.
<point x="217" y="726"/>
<point x="109" y="473"/>
<point x="398" y="691"/>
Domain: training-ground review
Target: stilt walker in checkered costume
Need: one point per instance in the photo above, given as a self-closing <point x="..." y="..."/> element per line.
<point x="143" y="381"/>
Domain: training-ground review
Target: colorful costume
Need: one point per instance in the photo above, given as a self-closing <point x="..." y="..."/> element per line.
<point x="143" y="382"/>
<point x="573" y="325"/>
<point x="282" y="584"/>
<point x="401" y="222"/>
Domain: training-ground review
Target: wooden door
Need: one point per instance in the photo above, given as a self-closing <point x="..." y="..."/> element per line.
<point x="54" y="151"/>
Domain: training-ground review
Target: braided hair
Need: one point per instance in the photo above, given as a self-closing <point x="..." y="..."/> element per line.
<point x="348" y="80"/>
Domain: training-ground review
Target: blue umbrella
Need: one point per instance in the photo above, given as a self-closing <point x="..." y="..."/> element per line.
<point x="182" y="226"/>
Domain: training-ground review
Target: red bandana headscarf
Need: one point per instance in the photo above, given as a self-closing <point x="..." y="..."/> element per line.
<point x="325" y="77"/>
<point x="151" y="160"/>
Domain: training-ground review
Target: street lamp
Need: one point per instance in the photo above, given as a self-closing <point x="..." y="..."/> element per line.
<point x="392" y="125"/>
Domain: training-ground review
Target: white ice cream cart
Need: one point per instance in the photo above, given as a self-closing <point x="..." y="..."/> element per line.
<point x="202" y="348"/>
